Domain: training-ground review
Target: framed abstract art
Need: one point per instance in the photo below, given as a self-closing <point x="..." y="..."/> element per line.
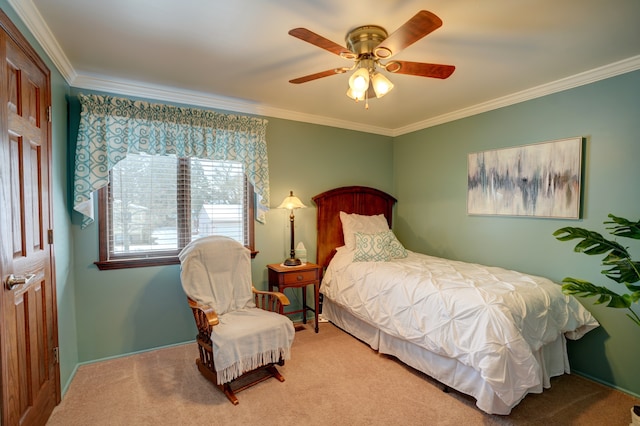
<point x="539" y="180"/>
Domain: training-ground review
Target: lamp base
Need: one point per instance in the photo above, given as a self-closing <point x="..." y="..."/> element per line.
<point x="292" y="261"/>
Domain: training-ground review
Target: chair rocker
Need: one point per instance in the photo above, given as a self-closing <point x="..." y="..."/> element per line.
<point x="233" y="316"/>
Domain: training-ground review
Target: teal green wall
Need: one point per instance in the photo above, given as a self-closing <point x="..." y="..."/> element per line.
<point x="430" y="172"/>
<point x="111" y="313"/>
<point x="63" y="242"/>
<point x="124" y="311"/>
<point x="309" y="159"/>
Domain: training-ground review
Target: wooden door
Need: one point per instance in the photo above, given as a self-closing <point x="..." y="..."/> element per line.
<point x="29" y="375"/>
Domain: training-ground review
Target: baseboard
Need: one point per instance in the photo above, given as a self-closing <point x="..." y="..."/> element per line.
<point x="65" y="388"/>
<point x="135" y="352"/>
<point x="603" y="383"/>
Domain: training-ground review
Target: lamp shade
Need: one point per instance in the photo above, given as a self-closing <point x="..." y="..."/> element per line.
<point x="381" y="84"/>
<point x="359" y="80"/>
<point x="357" y="96"/>
<point x="291" y="202"/>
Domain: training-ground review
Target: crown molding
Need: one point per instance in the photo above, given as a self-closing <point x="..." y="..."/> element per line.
<point x="145" y="90"/>
<point x="38" y="27"/>
<point x="31" y="17"/>
<point x="169" y="94"/>
<point x="587" y="77"/>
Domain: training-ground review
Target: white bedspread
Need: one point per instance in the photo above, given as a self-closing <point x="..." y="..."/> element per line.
<point x="488" y="318"/>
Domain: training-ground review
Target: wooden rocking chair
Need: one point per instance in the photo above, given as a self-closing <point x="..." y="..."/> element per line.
<point x="217" y="321"/>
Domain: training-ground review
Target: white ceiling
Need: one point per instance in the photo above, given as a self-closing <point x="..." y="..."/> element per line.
<point x="237" y="55"/>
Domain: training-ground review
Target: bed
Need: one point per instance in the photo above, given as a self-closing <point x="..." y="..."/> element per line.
<point x="488" y="332"/>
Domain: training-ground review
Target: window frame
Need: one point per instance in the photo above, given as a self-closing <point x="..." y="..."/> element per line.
<point x="123" y="261"/>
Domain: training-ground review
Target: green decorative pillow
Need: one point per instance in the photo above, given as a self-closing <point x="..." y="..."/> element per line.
<point x="371" y="247"/>
<point x="394" y="247"/>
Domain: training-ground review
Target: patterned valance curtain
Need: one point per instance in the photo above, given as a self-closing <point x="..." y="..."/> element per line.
<point x="112" y="127"/>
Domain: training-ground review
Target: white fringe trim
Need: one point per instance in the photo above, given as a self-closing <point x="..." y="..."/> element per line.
<point x="251" y="363"/>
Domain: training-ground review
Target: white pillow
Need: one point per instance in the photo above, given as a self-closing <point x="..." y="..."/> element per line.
<point x="352" y="223"/>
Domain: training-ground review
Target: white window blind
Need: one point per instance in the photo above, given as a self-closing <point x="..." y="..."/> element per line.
<point x="158" y="204"/>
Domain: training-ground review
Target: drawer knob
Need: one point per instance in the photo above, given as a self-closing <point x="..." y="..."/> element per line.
<point x="299" y="278"/>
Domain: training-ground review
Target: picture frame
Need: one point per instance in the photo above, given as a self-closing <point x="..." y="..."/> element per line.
<point x="536" y="180"/>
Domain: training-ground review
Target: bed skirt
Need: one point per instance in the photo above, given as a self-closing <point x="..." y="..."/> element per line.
<point x="552" y="359"/>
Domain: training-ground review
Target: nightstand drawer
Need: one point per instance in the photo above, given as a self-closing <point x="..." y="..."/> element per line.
<point x="294" y="277"/>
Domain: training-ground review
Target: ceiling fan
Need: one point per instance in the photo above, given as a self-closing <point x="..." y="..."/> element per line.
<point x="367" y="46"/>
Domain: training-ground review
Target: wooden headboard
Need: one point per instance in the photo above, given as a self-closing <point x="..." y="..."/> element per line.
<point x="349" y="199"/>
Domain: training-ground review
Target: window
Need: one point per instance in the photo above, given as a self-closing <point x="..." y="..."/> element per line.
<point x="155" y="205"/>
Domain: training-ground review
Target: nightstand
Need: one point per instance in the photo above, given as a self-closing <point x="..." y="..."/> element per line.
<point x="284" y="277"/>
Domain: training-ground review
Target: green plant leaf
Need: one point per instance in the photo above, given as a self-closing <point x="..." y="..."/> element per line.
<point x="584" y="288"/>
<point x="624" y="272"/>
<point x="622" y="269"/>
<point x="625" y="227"/>
<point x="592" y="242"/>
<point x="635" y="292"/>
<point x="633" y="288"/>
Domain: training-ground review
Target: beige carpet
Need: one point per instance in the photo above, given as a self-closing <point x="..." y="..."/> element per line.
<point x="332" y="379"/>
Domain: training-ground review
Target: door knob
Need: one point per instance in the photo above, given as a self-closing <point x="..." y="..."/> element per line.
<point x="13" y="281"/>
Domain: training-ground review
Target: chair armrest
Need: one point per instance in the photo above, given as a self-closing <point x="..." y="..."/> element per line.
<point x="273" y="301"/>
<point x="205" y="318"/>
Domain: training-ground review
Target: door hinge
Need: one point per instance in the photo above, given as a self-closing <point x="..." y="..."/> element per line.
<point x="56" y="355"/>
<point x="49" y="114"/>
<point x="50" y="236"/>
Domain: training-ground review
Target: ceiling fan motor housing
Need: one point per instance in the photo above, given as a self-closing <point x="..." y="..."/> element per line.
<point x="363" y="40"/>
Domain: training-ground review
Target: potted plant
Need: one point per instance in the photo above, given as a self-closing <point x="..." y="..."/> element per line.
<point x="621" y="268"/>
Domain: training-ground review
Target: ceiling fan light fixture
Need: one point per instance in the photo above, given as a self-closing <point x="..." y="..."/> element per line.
<point x="355" y="95"/>
<point x="359" y="80"/>
<point x="381" y="84"/>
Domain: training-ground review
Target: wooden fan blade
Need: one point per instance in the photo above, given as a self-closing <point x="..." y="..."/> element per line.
<point x="321" y="42"/>
<point x="420" y="69"/>
<point x="318" y="75"/>
<point x="422" y="23"/>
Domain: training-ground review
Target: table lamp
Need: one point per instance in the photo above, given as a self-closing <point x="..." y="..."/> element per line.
<point x="291" y="202"/>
